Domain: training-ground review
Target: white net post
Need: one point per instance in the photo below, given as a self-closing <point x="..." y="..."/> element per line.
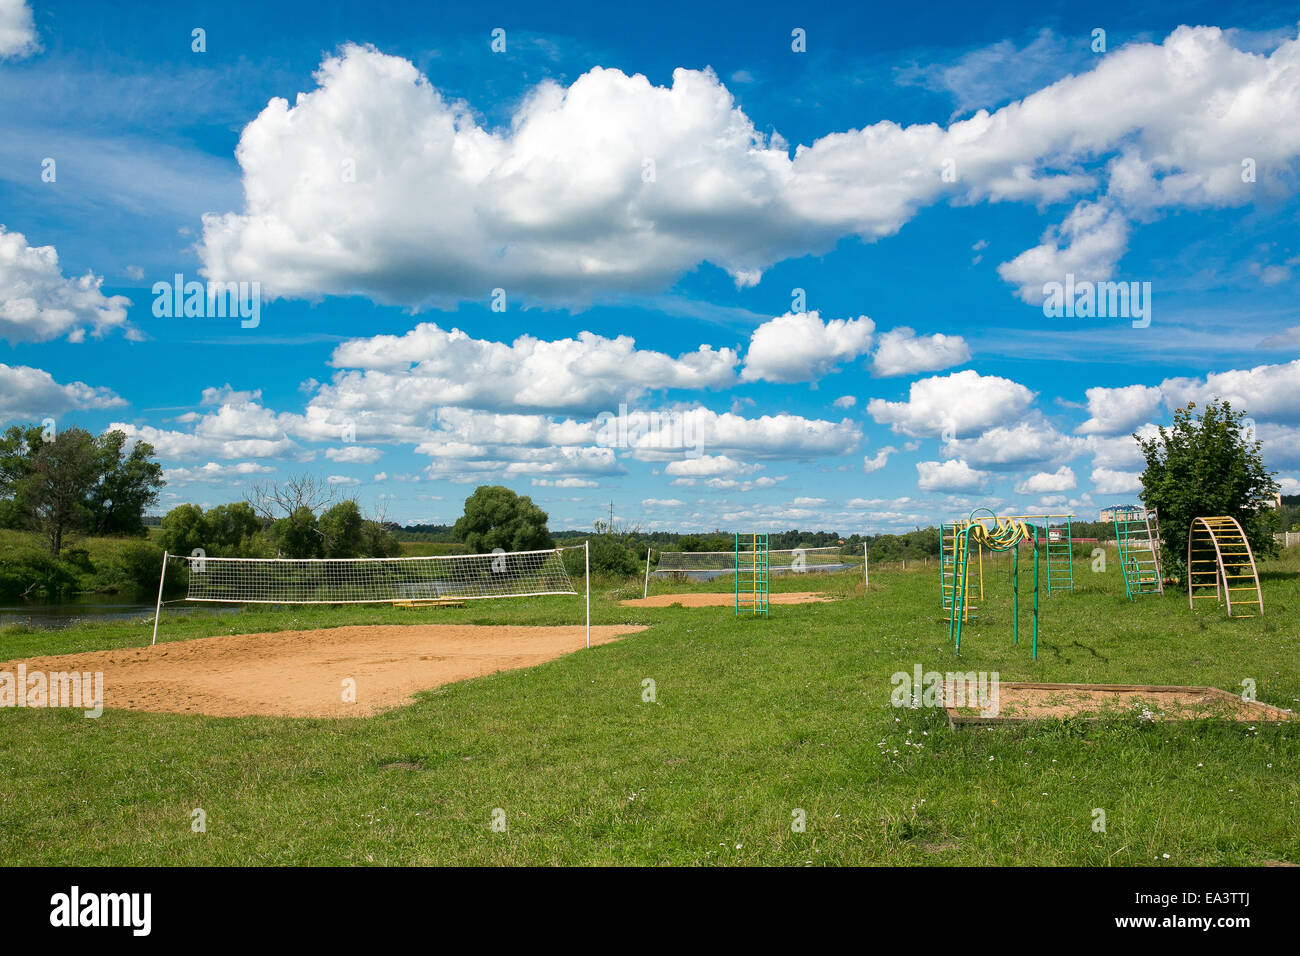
<point x="586" y="561"/>
<point x="157" y="611"/>
<point x="645" y="593"/>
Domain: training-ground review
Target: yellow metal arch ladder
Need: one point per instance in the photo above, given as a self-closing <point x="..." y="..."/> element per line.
<point x="1220" y="565"/>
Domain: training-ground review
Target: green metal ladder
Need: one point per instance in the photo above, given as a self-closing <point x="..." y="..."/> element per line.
<point x="1060" y="557"/>
<point x="1137" y="535"/>
<point x="948" y="544"/>
<point x="753" y="571"/>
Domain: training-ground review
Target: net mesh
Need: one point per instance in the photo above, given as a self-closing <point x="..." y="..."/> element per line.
<point x="789" y="559"/>
<point x="377" y="580"/>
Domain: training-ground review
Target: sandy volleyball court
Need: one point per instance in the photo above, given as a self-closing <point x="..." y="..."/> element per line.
<point x="301" y="673"/>
<point x="721" y="599"/>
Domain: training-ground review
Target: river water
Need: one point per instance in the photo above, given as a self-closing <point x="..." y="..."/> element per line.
<point x="101" y="607"/>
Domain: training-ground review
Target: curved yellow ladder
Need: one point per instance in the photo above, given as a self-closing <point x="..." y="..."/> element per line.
<point x="1224" y="571"/>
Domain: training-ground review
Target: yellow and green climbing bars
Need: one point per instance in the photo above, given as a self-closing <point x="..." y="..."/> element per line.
<point x="753" y="571"/>
<point x="1007" y="534"/>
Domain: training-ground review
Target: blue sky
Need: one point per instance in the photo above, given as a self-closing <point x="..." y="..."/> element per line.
<point x="648" y="189"/>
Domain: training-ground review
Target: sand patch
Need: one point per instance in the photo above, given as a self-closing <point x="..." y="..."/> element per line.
<point x="722" y="599"/>
<point x="1026" y="701"/>
<point x="301" y="673"/>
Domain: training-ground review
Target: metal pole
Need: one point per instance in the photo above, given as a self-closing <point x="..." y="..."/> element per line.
<point x="158" y="607"/>
<point x="1015" y="593"/>
<point x="1035" y="593"/>
<point x="959" y="591"/>
<point x="586" y="561"/>
<point x="646" y="592"/>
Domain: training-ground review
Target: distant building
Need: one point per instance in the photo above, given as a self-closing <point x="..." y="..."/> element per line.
<point x="1108" y="514"/>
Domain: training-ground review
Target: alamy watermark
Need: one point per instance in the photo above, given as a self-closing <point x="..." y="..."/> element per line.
<point x="1100" y="300"/>
<point x="938" y="689"/>
<point x="77" y="689"/>
<point x="656" y="431"/>
<point x="208" y="300"/>
<point x="133" y="911"/>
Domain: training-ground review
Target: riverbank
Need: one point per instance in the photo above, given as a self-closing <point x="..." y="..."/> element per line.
<point x="103" y="566"/>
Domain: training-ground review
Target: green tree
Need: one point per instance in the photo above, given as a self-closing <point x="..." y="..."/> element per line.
<point x="141" y="563"/>
<point x="609" y="555"/>
<point x="185" y="528"/>
<point x="55" y="490"/>
<point x="297" y="535"/>
<point x="1207" y="465"/>
<point x="229" y="528"/>
<point x="16" y="449"/>
<point x="75" y="481"/>
<point x="126" y="486"/>
<point x="342" y="531"/>
<point x="378" y="540"/>
<point x="496" y="517"/>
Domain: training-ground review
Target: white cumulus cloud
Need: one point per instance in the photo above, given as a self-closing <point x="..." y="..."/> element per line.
<point x="1108" y="481"/>
<point x="428" y="367"/>
<point x="902" y="352"/>
<point x="952" y="475"/>
<point x="958" y="404"/>
<point x="1045" y="482"/>
<point x="1265" y="392"/>
<point x="801" y="347"/>
<point x="38" y="303"/>
<point x="354" y="455"/>
<point x="1087" y="245"/>
<point x="612" y="183"/>
<point x="873" y="463"/>
<point x="1112" y="411"/>
<point x="17" y="30"/>
<point x="33" y="394"/>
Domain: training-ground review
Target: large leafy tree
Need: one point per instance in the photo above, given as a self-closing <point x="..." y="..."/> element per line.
<point x="610" y="555"/>
<point x="342" y="531"/>
<point x="184" y="529"/>
<point x="17" y="446"/>
<point x="74" y="480"/>
<point x="223" y="531"/>
<point x="1207" y="465"/>
<point x="127" y="485"/>
<point x="297" y="534"/>
<point x="56" y="490"/>
<point x="231" y="527"/>
<point x="496" y="517"/>
<point x="237" y="530"/>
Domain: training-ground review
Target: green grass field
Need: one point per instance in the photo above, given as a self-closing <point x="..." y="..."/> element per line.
<point x="754" y="721"/>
